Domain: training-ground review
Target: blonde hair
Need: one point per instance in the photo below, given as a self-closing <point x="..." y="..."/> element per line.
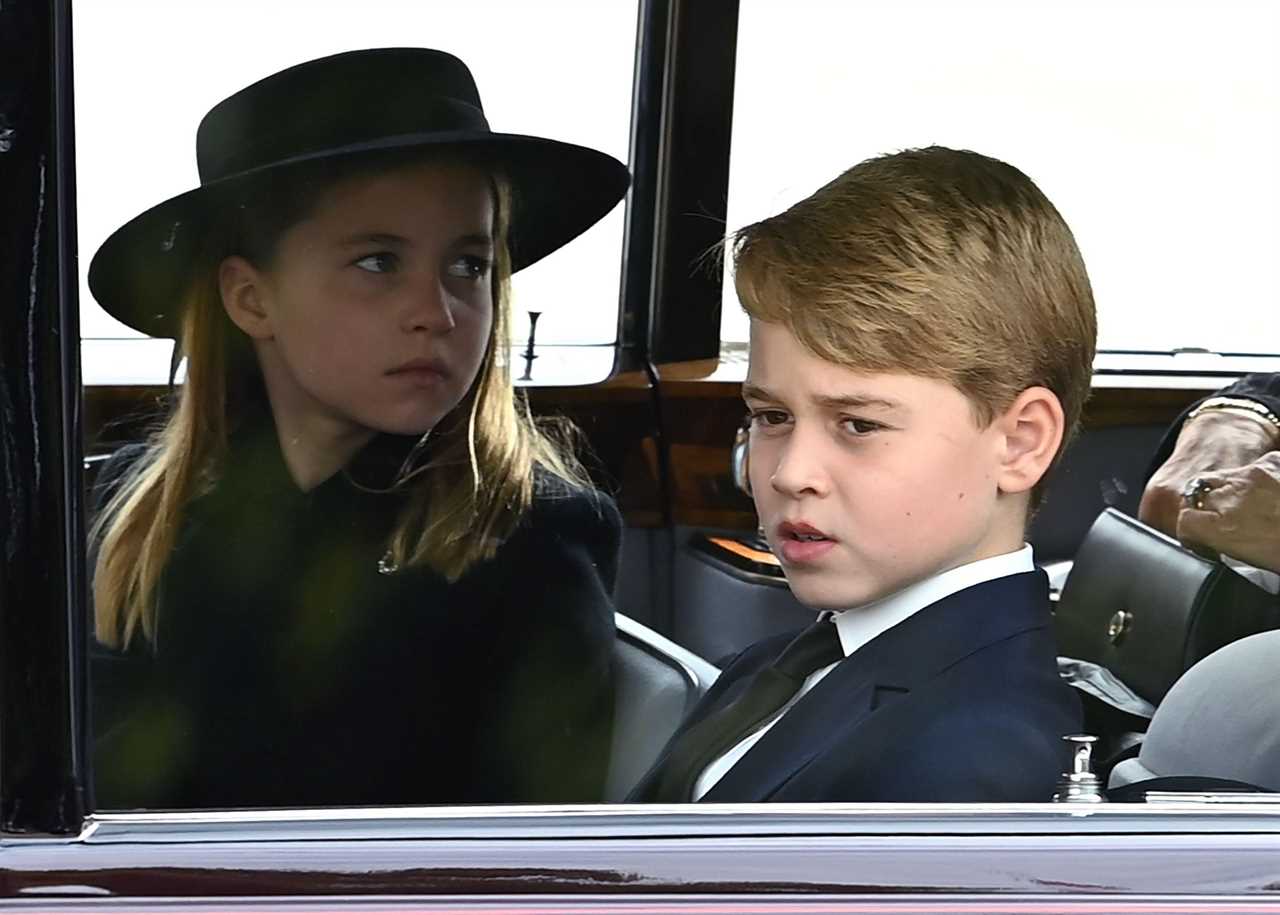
<point x="934" y="262"/>
<point x="470" y="496"/>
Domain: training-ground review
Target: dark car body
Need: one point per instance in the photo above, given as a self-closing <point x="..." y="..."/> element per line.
<point x="1189" y="854"/>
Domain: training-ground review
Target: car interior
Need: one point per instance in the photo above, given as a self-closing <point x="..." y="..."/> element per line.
<point x="700" y="589"/>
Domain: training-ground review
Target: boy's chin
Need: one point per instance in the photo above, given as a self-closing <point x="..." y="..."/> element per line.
<point x="831" y="592"/>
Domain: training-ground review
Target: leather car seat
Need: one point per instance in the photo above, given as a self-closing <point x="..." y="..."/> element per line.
<point x="1144" y="607"/>
<point x="657" y="684"/>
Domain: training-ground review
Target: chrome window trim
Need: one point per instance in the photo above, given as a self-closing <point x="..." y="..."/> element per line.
<point x="708" y="821"/>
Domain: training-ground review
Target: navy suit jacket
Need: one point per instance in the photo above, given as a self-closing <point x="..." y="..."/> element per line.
<point x="960" y="702"/>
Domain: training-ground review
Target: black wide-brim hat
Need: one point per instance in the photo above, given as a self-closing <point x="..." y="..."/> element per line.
<point x="359" y="103"/>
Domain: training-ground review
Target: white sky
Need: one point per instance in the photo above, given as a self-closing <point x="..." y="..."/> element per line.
<point x="146" y="71"/>
<point x="1153" y="125"/>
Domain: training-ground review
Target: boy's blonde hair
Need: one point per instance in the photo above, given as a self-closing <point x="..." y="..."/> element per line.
<point x="935" y="262"/>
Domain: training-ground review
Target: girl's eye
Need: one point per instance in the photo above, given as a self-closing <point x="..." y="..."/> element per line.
<point x="859" y="427"/>
<point x="471" y="267"/>
<point x="768" y="417"/>
<point x="381" y="262"/>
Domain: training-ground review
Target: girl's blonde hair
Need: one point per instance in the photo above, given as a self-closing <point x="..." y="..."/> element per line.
<point x="471" y="494"/>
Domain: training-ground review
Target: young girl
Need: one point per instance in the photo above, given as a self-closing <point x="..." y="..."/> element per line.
<point x="349" y="569"/>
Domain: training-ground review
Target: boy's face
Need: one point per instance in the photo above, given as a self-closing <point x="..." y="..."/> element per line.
<point x="867" y="483"/>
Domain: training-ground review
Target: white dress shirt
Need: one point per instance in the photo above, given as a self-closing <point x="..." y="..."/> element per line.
<point x="859" y="625"/>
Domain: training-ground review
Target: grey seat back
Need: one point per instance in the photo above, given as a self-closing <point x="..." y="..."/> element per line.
<point x="657" y="683"/>
<point x="1220" y="720"/>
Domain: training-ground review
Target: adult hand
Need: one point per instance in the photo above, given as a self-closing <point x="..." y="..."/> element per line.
<point x="1239" y="513"/>
<point x="1214" y="441"/>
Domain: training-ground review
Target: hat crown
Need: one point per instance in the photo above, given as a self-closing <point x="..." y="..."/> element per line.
<point x="353" y="98"/>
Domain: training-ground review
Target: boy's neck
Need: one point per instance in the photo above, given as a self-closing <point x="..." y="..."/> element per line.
<point x="1008" y="529"/>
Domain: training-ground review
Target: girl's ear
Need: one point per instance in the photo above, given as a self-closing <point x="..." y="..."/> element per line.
<point x="241" y="285"/>
<point x="1033" y="428"/>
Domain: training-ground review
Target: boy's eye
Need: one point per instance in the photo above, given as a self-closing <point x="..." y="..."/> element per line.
<point x="856" y="426"/>
<point x="768" y="417"/>
<point x="470" y="267"/>
<point x="380" y="262"/>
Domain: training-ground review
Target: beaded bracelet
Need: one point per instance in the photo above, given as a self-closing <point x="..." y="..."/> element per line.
<point x="1239" y="405"/>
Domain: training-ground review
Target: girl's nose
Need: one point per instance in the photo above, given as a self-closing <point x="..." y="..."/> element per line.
<point x="430" y="307"/>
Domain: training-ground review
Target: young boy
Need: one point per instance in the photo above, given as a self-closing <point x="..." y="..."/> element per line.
<point x="922" y="339"/>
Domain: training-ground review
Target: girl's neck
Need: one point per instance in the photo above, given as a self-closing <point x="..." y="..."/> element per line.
<point x="314" y="451"/>
<point x="315" y="441"/>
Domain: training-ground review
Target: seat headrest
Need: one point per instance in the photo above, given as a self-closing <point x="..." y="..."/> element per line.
<point x="1144" y="607"/>
<point x="1222" y="718"/>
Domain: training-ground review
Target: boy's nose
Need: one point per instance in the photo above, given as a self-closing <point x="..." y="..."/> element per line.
<point x="429" y="307"/>
<point x="798" y="471"/>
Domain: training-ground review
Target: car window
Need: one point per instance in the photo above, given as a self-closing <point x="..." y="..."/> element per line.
<point x="145" y="74"/>
<point x="1151" y="126"/>
<point x="146" y="71"/>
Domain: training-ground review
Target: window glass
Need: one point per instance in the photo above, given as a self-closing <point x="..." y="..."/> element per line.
<point x="1151" y="125"/>
<point x="147" y="70"/>
<point x="312" y="589"/>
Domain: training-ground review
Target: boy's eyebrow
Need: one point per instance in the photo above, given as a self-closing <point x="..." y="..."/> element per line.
<point x="830" y="401"/>
<point x="856" y="401"/>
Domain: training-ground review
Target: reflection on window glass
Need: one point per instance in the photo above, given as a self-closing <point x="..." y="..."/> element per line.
<point x="147" y="70"/>
<point x="1152" y="126"/>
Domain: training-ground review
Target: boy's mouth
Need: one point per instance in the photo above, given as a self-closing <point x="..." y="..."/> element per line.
<point x="800" y="542"/>
<point x="802" y="531"/>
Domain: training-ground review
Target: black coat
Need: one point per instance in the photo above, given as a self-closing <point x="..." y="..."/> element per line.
<point x="1265" y="389"/>
<point x="288" y="671"/>
<point x="959" y="702"/>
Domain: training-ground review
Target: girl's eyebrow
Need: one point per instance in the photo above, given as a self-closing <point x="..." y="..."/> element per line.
<point x="755" y="392"/>
<point x="373" y="238"/>
<point x="386" y="238"/>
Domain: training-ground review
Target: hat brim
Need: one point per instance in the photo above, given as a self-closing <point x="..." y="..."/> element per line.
<point x="560" y="190"/>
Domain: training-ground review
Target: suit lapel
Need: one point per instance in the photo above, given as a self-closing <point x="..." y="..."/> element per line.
<point x="837" y="705"/>
<point x="882" y="671"/>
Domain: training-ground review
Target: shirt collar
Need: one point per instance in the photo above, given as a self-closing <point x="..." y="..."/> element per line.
<point x="859" y="625"/>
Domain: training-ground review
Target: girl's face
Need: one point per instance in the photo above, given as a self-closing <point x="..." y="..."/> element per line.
<point x="376" y="310"/>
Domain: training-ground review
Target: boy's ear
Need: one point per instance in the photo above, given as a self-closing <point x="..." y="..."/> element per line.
<point x="1033" y="428"/>
<point x="240" y="284"/>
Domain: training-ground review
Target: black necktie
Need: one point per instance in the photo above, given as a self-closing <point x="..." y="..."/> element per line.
<point x="767" y="691"/>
